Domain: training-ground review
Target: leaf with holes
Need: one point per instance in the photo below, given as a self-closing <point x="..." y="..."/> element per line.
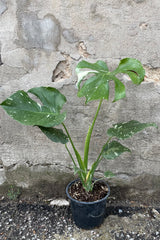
<point x="25" y="110"/>
<point x="119" y="89"/>
<point x="96" y="85"/>
<point x="99" y="66"/>
<point x="133" y="68"/>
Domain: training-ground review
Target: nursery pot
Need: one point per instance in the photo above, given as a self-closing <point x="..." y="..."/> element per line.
<point x="88" y="215"/>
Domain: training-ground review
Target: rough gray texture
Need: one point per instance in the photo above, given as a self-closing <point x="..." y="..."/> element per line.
<point x="38" y="33"/>
<point x="139" y="1"/>
<point x="42" y="47"/>
<point x="69" y="35"/>
<point x="3" y="6"/>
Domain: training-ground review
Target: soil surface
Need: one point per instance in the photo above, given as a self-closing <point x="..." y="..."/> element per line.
<point x="38" y="220"/>
<point x="77" y="192"/>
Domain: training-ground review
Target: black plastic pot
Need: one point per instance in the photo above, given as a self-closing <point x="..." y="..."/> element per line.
<point x="88" y="215"/>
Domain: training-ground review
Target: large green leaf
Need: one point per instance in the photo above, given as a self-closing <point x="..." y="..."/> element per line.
<point x="99" y="66"/>
<point x="50" y="97"/>
<point x="133" y="68"/>
<point x="128" y="129"/>
<point x="114" y="149"/>
<point x="29" y="112"/>
<point x="54" y="134"/>
<point x="96" y="85"/>
<point x="119" y="89"/>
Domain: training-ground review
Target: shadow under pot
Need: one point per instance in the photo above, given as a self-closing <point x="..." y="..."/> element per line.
<point x="88" y="215"/>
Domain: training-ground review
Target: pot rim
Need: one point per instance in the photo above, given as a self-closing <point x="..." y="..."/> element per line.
<point x="82" y="202"/>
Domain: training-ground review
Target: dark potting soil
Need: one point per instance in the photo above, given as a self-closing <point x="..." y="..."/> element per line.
<point x="77" y="192"/>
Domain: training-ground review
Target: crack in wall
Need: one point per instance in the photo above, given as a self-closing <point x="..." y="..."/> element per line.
<point x="82" y="49"/>
<point x="29" y="165"/>
<point x="139" y="1"/>
<point x="1" y="63"/>
<point x="12" y="166"/>
<point x="152" y="75"/>
<point x="63" y="69"/>
<point x="60" y="166"/>
<point x="1" y="164"/>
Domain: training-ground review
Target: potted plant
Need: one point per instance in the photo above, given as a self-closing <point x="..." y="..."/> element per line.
<point x="93" y="84"/>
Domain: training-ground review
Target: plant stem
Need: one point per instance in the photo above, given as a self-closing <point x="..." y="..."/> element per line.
<point x="70" y="155"/>
<point x="96" y="163"/>
<point x="80" y="162"/>
<point x="103" y="148"/>
<point x="88" y="137"/>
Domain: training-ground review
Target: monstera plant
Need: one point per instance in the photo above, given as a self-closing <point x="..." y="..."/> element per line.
<point x="93" y="84"/>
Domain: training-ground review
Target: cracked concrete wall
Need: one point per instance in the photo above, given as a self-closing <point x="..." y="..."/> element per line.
<point x="41" y="42"/>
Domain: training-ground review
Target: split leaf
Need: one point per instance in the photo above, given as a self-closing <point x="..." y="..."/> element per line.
<point x="133" y="68"/>
<point x="29" y="112"/>
<point x="97" y="78"/>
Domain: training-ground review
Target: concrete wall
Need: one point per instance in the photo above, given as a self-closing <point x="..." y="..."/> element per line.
<point x="41" y="42"/>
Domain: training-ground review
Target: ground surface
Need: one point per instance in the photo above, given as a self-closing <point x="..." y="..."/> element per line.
<point x="38" y="220"/>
